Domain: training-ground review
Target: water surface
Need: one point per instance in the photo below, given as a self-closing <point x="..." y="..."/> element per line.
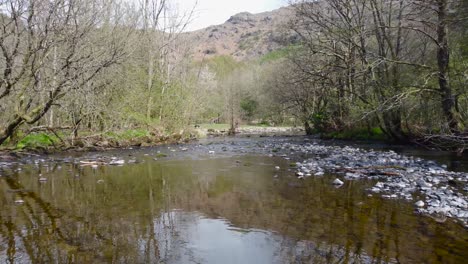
<point x="222" y="208"/>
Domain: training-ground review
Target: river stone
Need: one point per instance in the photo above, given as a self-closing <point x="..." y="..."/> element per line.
<point x="419" y="203"/>
<point x="117" y="162"/>
<point x="338" y="182"/>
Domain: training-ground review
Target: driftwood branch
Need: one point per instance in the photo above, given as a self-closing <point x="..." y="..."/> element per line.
<point x="456" y="142"/>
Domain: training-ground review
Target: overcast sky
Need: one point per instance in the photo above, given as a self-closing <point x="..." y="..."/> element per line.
<point x="214" y="12"/>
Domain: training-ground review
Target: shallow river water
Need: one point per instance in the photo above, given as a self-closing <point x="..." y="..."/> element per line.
<point x="213" y="202"/>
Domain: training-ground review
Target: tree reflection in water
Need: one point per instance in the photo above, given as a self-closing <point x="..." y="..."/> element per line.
<point x="209" y="211"/>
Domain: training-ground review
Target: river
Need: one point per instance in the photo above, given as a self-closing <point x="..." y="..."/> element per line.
<point x="214" y="201"/>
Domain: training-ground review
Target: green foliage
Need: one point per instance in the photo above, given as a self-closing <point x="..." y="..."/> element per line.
<point x="358" y="134"/>
<point x="320" y="121"/>
<point x="264" y="123"/>
<point x="37" y="140"/>
<point x="249" y="106"/>
<point x="278" y="54"/>
<point x="223" y="65"/>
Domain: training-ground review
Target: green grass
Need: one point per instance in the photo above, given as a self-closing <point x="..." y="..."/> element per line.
<point x="128" y="134"/>
<point x="37" y="140"/>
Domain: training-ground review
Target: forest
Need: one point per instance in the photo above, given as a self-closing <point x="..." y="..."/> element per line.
<point x="81" y="72"/>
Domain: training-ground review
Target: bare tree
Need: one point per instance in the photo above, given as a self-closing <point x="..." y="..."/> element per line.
<point x="59" y="46"/>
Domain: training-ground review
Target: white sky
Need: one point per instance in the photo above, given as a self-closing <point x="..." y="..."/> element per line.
<point x="214" y="12"/>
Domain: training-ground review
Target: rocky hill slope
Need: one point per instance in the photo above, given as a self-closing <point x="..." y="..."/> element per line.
<point x="244" y="36"/>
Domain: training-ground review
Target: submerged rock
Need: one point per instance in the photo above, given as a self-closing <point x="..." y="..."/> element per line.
<point x="338" y="182"/>
<point x="117" y="162"/>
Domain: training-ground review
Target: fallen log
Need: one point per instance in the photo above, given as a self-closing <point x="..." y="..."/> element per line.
<point x="455" y="142"/>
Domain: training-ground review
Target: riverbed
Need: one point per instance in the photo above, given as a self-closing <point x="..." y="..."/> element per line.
<point x="233" y="200"/>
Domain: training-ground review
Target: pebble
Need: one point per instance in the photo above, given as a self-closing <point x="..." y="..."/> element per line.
<point x="420" y="203"/>
<point x="338" y="182"/>
<point x="117" y="162"/>
<point x="397" y="176"/>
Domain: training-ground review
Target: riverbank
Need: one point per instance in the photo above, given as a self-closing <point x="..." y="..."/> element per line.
<point x="48" y="143"/>
<point x="52" y="142"/>
<point x="221" y="130"/>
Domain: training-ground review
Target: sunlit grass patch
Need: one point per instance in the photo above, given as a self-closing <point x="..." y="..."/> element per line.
<point x="37" y="140"/>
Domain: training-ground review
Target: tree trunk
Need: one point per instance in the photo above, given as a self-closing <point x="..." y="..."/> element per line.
<point x="308" y="129"/>
<point x="10" y="129"/>
<point x="443" y="60"/>
<point x="392" y="123"/>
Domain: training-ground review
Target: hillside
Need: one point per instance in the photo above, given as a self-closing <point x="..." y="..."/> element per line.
<point x="244" y="36"/>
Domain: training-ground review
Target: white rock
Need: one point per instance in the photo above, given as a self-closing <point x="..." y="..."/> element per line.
<point x="277" y="167"/>
<point x="117" y="162"/>
<point x="19" y="201"/>
<point x="420" y="203"/>
<point x="338" y="182"/>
